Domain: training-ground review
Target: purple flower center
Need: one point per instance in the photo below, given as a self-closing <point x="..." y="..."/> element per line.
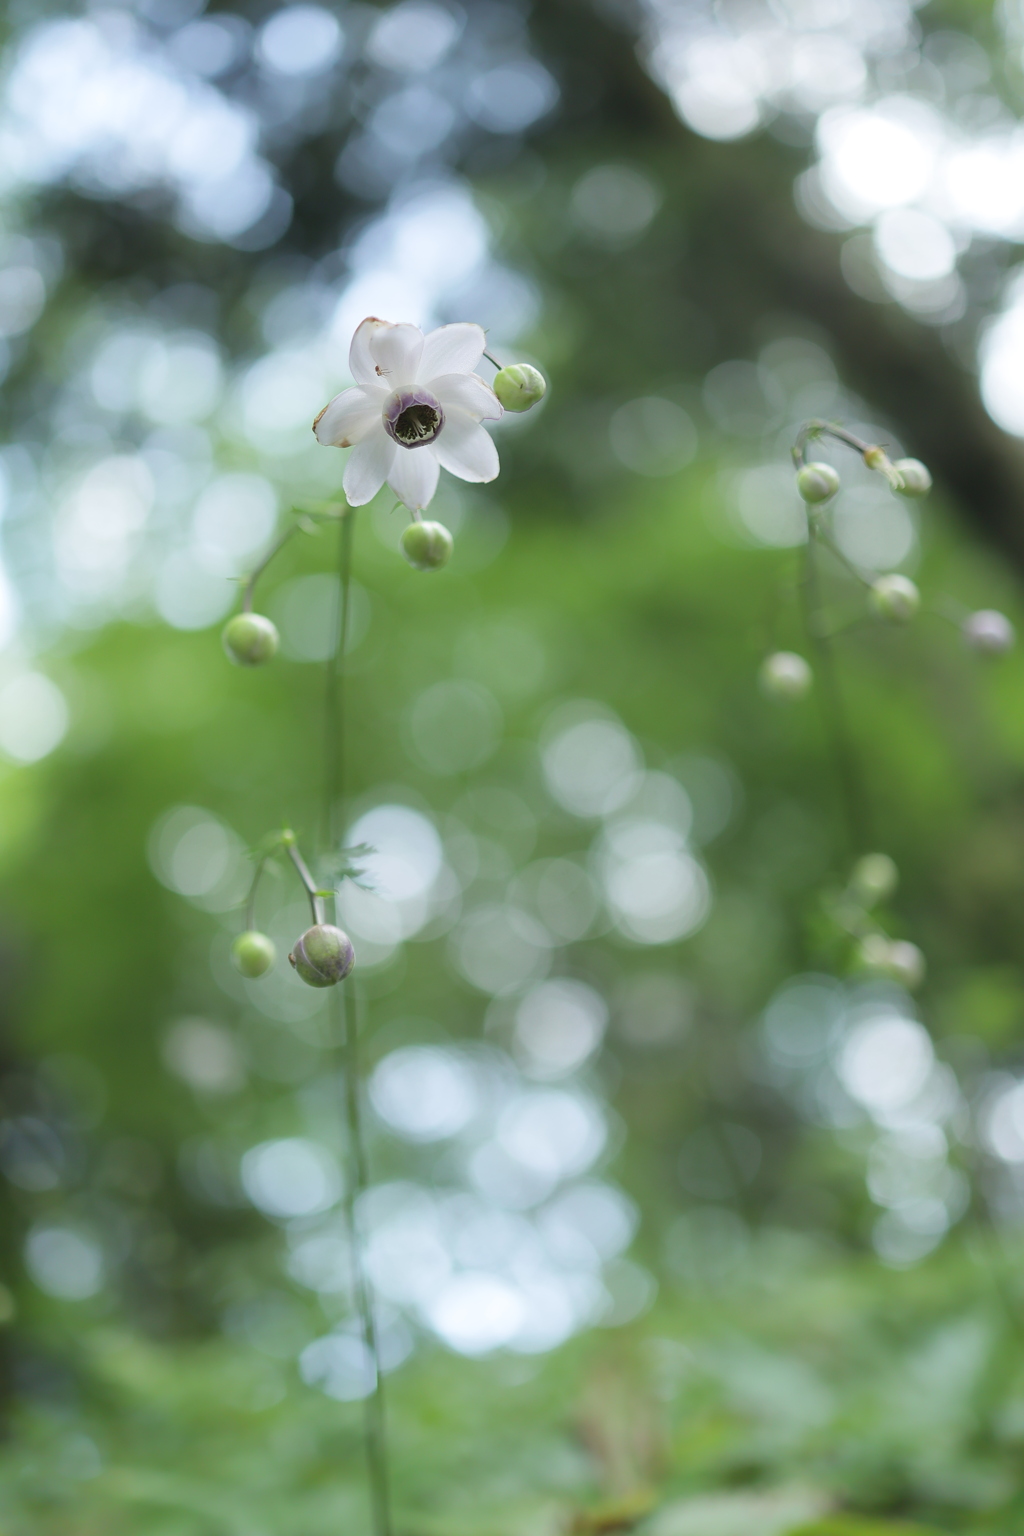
<point x="413" y="417"/>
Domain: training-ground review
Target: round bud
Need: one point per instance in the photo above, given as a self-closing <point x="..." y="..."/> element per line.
<point x="817" y="482"/>
<point x="249" y="639"/>
<point x="914" y="477"/>
<point x="427" y="546"/>
<point x="895" y="959"/>
<point x="323" y="956"/>
<point x="519" y="387"/>
<point x="785" y="675"/>
<point x="874" y="877"/>
<point x="989" y="631"/>
<point x="895" y="598"/>
<point x="253" y="953"/>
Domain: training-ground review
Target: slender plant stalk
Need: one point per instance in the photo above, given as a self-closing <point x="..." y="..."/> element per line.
<point x="334" y="699"/>
<point x="349" y="1020"/>
<point x="349" y="1023"/>
<point x="847" y="766"/>
<point x="255" y="574"/>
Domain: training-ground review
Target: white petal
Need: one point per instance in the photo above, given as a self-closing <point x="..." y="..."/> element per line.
<point x="368" y="467"/>
<point x="464" y="448"/>
<point x="360" y="360"/>
<point x="452" y="349"/>
<point x="396" y="351"/>
<point x="350" y="415"/>
<point x="413" y="475"/>
<point x="469" y="393"/>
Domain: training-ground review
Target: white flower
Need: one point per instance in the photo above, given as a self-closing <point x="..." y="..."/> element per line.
<point x="416" y="407"/>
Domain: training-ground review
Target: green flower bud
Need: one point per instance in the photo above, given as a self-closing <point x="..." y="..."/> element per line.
<point x="817" y="482"/>
<point x="427" y="546"/>
<point x="895" y="959"/>
<point x="519" y="387"/>
<point x="989" y="631"/>
<point x="785" y="675"/>
<point x="914" y="477"/>
<point x="323" y="956"/>
<point x="874" y="877"/>
<point x="249" y="639"/>
<point x="895" y="598"/>
<point x="253" y="953"/>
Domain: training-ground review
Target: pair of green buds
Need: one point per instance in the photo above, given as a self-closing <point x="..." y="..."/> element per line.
<point x="875" y="878"/>
<point x="322" y="957"/>
<point x="908" y="477"/>
<point x="427" y="545"/>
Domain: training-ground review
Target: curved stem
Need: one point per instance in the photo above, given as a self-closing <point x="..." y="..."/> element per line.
<point x="815" y="428"/>
<point x="250" y="901"/>
<point x="847" y="767"/>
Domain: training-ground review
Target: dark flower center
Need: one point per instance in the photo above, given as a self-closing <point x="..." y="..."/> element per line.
<point x="412" y="417"/>
<point x="417" y="424"/>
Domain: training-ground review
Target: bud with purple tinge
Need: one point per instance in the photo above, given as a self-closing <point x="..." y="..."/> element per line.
<point x="989" y="631"/>
<point x="323" y="956"/>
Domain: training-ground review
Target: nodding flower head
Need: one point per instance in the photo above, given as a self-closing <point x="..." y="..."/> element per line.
<point x="412" y="392"/>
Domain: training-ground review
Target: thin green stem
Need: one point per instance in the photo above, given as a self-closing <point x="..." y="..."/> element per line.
<point x="250" y="901"/>
<point x="309" y="884"/>
<point x="349" y="1023"/>
<point x="813" y="429"/>
<point x="254" y="575"/>
<point x="847" y="767"/>
<point x="493" y="360"/>
<point x="334" y="698"/>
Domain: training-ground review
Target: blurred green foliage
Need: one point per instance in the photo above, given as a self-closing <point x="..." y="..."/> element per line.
<point x="786" y="1381"/>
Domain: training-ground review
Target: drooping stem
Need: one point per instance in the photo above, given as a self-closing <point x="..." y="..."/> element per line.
<point x="847" y="766"/>
<point x="349" y="1024"/>
<point x="255" y="574"/>
<point x="813" y="429"/>
<point x="250" y="901"/>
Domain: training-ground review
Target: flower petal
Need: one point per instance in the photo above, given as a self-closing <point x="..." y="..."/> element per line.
<point x="396" y="350"/>
<point x="452" y="349"/>
<point x="368" y="467"/>
<point x="469" y="393"/>
<point x="413" y="476"/>
<point x="465" y="449"/>
<point x="360" y="362"/>
<point x="350" y="415"/>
